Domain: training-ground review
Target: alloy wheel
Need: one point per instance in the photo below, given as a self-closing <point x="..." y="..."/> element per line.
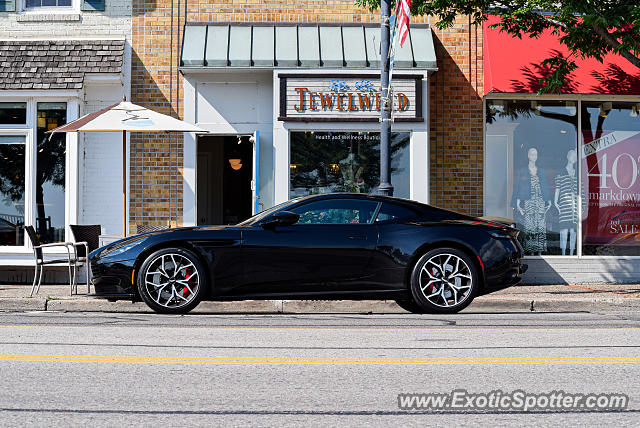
<point x="172" y="280"/>
<point x="446" y="280"/>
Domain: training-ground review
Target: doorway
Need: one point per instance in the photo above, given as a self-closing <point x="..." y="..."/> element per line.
<point x="224" y="175"/>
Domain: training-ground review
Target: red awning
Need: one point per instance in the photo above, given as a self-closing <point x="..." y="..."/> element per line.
<point x="512" y="65"/>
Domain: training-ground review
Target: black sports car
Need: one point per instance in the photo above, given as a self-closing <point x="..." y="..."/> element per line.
<point x="331" y="246"/>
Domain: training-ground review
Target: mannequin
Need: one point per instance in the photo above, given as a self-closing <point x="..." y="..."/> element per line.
<point x="532" y="202"/>
<point x="566" y="201"/>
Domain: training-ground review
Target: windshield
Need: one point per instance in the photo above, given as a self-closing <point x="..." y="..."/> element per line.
<point x="256" y="218"/>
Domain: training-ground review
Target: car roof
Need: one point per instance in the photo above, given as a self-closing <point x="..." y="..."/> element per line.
<point x="364" y="196"/>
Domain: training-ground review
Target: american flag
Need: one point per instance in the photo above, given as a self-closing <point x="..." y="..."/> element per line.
<point x="403" y="12"/>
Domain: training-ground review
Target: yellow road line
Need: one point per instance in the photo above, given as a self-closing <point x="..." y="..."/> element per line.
<point x="328" y="361"/>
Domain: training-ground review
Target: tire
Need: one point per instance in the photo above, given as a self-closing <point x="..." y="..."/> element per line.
<point x="172" y="281"/>
<point x="444" y="281"/>
<point x="410" y="306"/>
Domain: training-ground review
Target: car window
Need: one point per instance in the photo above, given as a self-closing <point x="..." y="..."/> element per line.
<point x="261" y="215"/>
<point x="337" y="211"/>
<point x="392" y="211"/>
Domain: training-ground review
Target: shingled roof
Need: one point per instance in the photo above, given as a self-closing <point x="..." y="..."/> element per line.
<point x="56" y="64"/>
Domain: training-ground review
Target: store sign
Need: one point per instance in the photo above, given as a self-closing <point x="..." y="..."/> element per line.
<point x="612" y="188"/>
<point x="346" y="98"/>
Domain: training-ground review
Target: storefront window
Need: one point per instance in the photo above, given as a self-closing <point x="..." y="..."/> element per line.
<point x="531" y="172"/>
<point x="12" y="175"/>
<point x="610" y="159"/>
<point x="323" y="162"/>
<point x="50" y="173"/>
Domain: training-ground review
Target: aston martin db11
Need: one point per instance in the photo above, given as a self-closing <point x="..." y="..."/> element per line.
<point x="330" y="246"/>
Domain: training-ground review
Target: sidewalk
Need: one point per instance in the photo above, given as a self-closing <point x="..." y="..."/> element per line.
<point x="542" y="298"/>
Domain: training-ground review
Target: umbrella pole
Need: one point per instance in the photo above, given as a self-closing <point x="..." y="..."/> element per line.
<point x="124" y="184"/>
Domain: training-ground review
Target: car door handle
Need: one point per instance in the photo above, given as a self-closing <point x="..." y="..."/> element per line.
<point x="358" y="237"/>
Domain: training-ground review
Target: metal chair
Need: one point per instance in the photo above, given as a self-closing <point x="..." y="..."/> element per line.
<point x="40" y="262"/>
<point x="87" y="239"/>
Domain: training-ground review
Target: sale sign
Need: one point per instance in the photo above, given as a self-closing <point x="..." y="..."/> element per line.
<point x="611" y="188"/>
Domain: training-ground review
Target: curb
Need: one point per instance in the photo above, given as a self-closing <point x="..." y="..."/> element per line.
<point x="481" y="304"/>
<point x="14" y="304"/>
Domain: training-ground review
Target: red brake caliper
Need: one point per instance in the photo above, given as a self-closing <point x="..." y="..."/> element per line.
<point x="434" y="272"/>
<point x="187" y="275"/>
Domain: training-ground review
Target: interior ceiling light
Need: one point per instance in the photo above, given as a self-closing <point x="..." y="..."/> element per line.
<point x="236" y="164"/>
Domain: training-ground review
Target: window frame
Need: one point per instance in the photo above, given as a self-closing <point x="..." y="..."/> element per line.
<point x="373" y="217"/>
<point x="71" y="164"/>
<point x="415" y="215"/>
<point x="416" y="168"/>
<point x="16" y="125"/>
<point x="74" y="8"/>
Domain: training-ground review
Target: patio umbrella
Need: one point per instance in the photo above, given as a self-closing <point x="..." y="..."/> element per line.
<point x="126" y="117"/>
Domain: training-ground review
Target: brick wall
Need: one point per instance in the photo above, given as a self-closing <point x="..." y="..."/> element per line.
<point x="456" y="107"/>
<point x="456" y="119"/>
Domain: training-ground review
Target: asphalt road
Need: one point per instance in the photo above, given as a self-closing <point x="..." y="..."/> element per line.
<point x="96" y="369"/>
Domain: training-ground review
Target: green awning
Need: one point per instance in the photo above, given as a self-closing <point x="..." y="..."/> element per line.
<point x="216" y="45"/>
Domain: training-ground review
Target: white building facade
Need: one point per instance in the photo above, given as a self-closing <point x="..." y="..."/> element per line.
<point x="60" y="59"/>
<point x="293" y="109"/>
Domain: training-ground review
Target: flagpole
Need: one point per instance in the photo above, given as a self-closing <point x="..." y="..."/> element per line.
<point x="385" y="187"/>
<point x="124" y="184"/>
<point x="124" y="180"/>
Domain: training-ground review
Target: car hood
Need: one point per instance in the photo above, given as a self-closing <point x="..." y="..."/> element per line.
<point x="131" y="241"/>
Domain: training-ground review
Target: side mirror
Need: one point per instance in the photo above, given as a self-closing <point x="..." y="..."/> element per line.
<point x="281" y="218"/>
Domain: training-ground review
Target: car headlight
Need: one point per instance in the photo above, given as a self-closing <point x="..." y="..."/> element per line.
<point x="120" y="247"/>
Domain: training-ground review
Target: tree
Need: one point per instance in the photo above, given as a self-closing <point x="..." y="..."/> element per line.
<point x="588" y="28"/>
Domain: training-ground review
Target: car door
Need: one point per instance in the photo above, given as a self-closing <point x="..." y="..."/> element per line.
<point x="328" y="250"/>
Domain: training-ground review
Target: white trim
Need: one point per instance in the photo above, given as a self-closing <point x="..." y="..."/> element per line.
<point x="419" y="184"/>
<point x="103" y="78"/>
<point x="189" y="157"/>
<point x="578" y="167"/>
<point x="72" y="164"/>
<point x="43" y="93"/>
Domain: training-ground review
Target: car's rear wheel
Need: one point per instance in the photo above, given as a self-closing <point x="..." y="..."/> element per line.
<point x="444" y="280"/>
<point x="172" y="281"/>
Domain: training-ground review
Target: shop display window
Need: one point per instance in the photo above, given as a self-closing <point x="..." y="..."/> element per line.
<point x="610" y="161"/>
<point x="324" y="162"/>
<point x="565" y="188"/>
<point x="531" y="171"/>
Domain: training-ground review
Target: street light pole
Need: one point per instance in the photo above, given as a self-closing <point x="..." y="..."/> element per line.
<point x="385" y="187"/>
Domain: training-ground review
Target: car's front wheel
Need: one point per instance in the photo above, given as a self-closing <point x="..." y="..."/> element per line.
<point x="410" y="306"/>
<point x="444" y="280"/>
<point x="172" y="281"/>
